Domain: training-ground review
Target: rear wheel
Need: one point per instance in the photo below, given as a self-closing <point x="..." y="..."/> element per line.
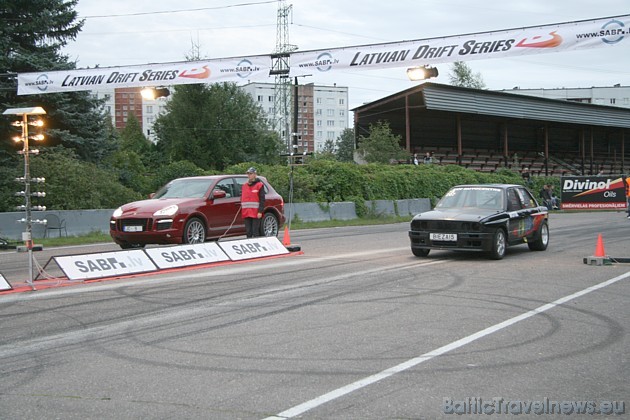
<point x="194" y="232"/>
<point x="499" y="245"/>
<point x="420" y="252"/>
<point x="270" y="225"/>
<point x="540" y="244"/>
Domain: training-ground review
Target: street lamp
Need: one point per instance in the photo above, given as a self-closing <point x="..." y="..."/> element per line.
<point x="27" y="236"/>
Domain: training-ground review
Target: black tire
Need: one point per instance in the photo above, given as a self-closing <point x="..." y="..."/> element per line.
<point x="499" y="245"/>
<point x="194" y="232"/>
<point x="541" y="242"/>
<point x="420" y="252"/>
<point x="131" y="246"/>
<point x="269" y="225"/>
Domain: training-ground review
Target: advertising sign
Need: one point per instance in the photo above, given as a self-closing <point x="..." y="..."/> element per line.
<point x="570" y="36"/>
<point x="186" y="255"/>
<point x="4" y="284"/>
<point x="253" y="248"/>
<point x="593" y="192"/>
<point x="107" y="264"/>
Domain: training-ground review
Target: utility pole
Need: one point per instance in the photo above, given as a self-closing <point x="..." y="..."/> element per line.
<point x="280" y="69"/>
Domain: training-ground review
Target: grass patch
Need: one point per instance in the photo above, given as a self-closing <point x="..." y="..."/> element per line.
<point x="88" y="238"/>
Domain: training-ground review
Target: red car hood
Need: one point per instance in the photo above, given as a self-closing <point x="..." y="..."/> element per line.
<point x="148" y="207"/>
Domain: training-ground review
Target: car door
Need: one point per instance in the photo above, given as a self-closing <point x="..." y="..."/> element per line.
<point x="224" y="216"/>
<point x="516" y="224"/>
<point x="521" y="207"/>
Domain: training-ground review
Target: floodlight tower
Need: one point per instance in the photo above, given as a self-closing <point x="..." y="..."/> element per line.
<point x="280" y="69"/>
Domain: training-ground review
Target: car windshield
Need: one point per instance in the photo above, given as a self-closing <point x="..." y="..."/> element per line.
<point x="473" y="197"/>
<point x="185" y="188"/>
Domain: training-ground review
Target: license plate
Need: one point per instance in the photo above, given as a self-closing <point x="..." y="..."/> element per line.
<point x="443" y="236"/>
<point x="132" y="228"/>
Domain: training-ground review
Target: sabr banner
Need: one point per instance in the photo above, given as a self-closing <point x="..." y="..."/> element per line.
<point x="593" y="192"/>
<point x="567" y="36"/>
<point x="166" y="74"/>
<point x="604" y="32"/>
<point x="107" y="264"/>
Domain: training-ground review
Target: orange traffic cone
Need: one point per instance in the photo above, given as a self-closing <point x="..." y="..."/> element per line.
<point x="599" y="249"/>
<point x="286" y="239"/>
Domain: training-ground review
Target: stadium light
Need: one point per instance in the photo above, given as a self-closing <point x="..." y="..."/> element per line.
<point x="421" y="73"/>
<point x="152" y="93"/>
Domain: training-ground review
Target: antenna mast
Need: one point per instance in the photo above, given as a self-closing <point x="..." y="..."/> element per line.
<point x="280" y="69"/>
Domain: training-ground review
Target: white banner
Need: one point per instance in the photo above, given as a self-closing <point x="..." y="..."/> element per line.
<point x="253" y="248"/>
<point x="108" y="264"/>
<point x="186" y="255"/>
<point x="166" y="74"/>
<point x="605" y="32"/>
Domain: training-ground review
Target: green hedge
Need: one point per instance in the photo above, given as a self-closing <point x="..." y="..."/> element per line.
<point x="330" y="181"/>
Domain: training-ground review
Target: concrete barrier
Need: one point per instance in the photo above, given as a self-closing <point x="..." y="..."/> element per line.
<point x="81" y="222"/>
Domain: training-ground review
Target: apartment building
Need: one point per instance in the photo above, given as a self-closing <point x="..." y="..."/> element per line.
<point x="322" y="112"/>
<point x="616" y="95"/>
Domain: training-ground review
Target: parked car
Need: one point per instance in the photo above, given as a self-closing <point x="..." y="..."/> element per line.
<point x="192" y="210"/>
<point x="484" y="218"/>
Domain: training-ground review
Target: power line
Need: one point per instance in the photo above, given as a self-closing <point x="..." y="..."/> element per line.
<point x="179" y="10"/>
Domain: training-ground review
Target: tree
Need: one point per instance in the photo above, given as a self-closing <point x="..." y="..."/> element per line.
<point x="32" y="34"/>
<point x="345" y="146"/>
<point x="214" y="126"/>
<point x="381" y="146"/>
<point x="462" y="75"/>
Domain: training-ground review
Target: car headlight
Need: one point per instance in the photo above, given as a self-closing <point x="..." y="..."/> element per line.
<point x="167" y="211"/>
<point x="118" y="212"/>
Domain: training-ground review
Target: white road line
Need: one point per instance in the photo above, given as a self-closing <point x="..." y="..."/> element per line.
<point x="361" y="383"/>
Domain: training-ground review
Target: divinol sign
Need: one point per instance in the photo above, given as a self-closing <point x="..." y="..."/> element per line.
<point x="593" y="192"/>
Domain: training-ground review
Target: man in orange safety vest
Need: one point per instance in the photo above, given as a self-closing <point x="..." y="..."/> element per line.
<point x="252" y="203"/>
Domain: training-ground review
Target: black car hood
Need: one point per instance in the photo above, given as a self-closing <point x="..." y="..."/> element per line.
<point x="459" y="214"/>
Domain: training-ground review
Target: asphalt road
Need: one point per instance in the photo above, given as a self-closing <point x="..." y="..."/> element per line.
<point x="355" y="328"/>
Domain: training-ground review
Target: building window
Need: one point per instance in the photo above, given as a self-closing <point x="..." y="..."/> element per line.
<point x="260" y="98"/>
<point x="319" y="134"/>
<point x="330" y="135"/>
<point x="319" y="100"/>
<point x="612" y="101"/>
<point x="330" y="112"/>
<point x="318" y="112"/>
<point x="342" y="112"/>
<point x="330" y="123"/>
<point x="342" y="101"/>
<point x="149" y="109"/>
<point x="270" y="98"/>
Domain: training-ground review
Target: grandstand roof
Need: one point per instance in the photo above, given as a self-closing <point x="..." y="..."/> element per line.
<point x="439" y="97"/>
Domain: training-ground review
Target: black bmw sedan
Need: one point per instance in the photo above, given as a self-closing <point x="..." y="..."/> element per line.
<point x="484" y="218"/>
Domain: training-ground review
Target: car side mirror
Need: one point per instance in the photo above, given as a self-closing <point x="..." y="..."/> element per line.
<point x="218" y="194"/>
<point x="151" y="195"/>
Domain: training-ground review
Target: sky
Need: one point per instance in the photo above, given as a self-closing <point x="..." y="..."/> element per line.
<point x="122" y="33"/>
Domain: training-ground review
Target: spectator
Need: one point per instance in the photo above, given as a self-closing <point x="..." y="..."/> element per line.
<point x="546" y="196"/>
<point x="527" y="177"/>
<point x="415" y="159"/>
<point x="428" y="159"/>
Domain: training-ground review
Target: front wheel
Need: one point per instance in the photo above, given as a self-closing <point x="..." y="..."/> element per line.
<point x="269" y="225"/>
<point x="499" y="245"/>
<point x="540" y="244"/>
<point x="420" y="252"/>
<point x="194" y="232"/>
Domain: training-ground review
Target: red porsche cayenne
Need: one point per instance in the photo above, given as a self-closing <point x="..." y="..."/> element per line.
<point x="192" y="210"/>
